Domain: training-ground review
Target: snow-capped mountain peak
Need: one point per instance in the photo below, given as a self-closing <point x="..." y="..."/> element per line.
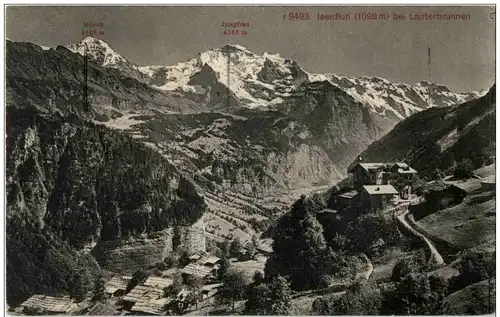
<point x="269" y="80"/>
<point x="103" y="54"/>
<point x="254" y="80"/>
<point x="99" y="50"/>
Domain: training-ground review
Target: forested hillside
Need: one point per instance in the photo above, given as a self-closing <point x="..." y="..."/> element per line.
<point x="71" y="183"/>
<point x="447" y="135"/>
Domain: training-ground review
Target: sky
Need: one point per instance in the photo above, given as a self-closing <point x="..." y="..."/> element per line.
<point x="462" y="51"/>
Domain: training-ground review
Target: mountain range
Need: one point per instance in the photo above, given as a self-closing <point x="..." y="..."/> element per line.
<point x="245" y="120"/>
<point x="268" y="80"/>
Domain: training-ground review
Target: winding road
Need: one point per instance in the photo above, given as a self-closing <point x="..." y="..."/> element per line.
<point x="368" y="269"/>
<point x="435" y="255"/>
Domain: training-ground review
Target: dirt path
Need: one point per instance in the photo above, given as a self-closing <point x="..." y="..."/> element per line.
<point x="435" y="255"/>
<point x="369" y="269"/>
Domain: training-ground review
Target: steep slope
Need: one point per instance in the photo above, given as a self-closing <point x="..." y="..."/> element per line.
<point x="266" y="129"/>
<point x="476" y="299"/>
<point x="448" y="135"/>
<point x="71" y="184"/>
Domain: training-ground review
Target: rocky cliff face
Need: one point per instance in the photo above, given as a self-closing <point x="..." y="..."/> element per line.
<point x="125" y="256"/>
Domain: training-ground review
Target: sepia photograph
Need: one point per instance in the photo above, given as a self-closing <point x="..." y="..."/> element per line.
<point x="249" y="160"/>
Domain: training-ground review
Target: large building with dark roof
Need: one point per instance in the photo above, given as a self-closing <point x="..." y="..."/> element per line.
<point x="399" y="174"/>
<point x="376" y="184"/>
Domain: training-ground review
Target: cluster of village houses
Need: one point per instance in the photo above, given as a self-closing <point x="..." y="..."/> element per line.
<point x="380" y="186"/>
<point x="147" y="298"/>
<point x="375" y="186"/>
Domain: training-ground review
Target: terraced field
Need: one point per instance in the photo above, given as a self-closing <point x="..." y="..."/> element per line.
<point x="230" y="214"/>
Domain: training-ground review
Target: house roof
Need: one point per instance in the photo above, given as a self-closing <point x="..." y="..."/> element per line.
<point x="366" y="166"/>
<point x="410" y="171"/>
<point x="142" y="293"/>
<point x="209" y="287"/>
<point x="380" y="189"/>
<point x="198" y="255"/>
<point x="156" y="281"/>
<point x="45" y="303"/>
<point x="349" y="195"/>
<point x="436" y="185"/>
<point x="196" y="270"/>
<point x="401" y="165"/>
<point x="404" y="168"/>
<point x="210" y="259"/>
<point x="154" y="307"/>
<point x="371" y="166"/>
<point x="116" y="283"/>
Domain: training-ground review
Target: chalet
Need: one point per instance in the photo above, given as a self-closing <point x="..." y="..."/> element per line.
<point x="377" y="197"/>
<point x="347" y="200"/>
<point x="143" y="296"/>
<point x="116" y="286"/>
<point x="442" y="195"/>
<point x="210" y="261"/>
<point x="158" y="282"/>
<point x="400" y="175"/>
<point x="366" y="173"/>
<point x="210" y="290"/>
<point x="48" y="305"/>
<point x="199" y="271"/>
<point x="197" y="255"/>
